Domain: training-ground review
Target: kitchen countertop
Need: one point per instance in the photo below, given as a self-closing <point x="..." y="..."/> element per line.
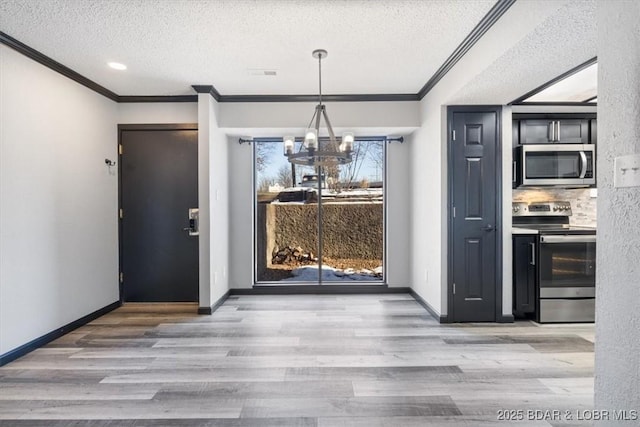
<point x="522" y="230"/>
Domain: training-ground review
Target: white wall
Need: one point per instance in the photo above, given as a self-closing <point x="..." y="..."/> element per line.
<point x="278" y="119"/>
<point x="507" y="242"/>
<point x="213" y="201"/>
<point x="58" y="201"/>
<point x="617" y="383"/>
<point x="220" y="175"/>
<point x="265" y="118"/>
<point x="157" y="112"/>
<point x="429" y="155"/>
<point x="241" y="214"/>
<point x="428" y="208"/>
<point x="206" y="127"/>
<point x="397" y="220"/>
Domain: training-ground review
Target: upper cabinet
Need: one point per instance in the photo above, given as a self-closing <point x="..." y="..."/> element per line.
<point x="547" y="131"/>
<point x="567" y="128"/>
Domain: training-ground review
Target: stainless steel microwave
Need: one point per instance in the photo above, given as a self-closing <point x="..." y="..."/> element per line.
<point x="563" y="165"/>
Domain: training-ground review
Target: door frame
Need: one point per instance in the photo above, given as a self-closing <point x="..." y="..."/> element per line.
<point x="365" y="287"/>
<point x="137" y="127"/>
<point x="497" y="109"/>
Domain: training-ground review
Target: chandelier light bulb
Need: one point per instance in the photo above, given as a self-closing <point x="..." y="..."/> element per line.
<point x="347" y="142"/>
<point x="311" y="139"/>
<point x="289" y="142"/>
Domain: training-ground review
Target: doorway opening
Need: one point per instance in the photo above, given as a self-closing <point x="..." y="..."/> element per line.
<point x="337" y="238"/>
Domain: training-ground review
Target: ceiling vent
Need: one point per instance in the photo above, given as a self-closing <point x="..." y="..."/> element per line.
<point x="261" y="72"/>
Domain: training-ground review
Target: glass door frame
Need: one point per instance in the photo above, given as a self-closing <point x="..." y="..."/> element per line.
<point x="383" y="282"/>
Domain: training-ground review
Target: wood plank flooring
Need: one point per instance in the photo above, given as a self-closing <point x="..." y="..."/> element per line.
<point x="299" y="360"/>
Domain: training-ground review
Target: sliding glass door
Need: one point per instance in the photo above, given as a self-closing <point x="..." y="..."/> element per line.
<point x="319" y="224"/>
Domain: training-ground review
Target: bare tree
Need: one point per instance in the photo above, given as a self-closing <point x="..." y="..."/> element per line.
<point x="264" y="183"/>
<point x="377" y="156"/>
<point x="264" y="150"/>
<point x="350" y="172"/>
<point x="284" y="176"/>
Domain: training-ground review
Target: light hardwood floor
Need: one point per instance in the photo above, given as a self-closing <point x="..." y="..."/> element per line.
<point x="294" y="360"/>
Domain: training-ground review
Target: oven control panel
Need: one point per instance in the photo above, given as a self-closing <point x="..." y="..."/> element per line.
<point x="541" y="209"/>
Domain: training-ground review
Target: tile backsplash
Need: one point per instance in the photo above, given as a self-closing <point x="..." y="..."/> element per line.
<point x="583" y="206"/>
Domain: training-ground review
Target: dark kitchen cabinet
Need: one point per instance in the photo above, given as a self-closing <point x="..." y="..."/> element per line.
<point x="554" y="131"/>
<point x="524" y="275"/>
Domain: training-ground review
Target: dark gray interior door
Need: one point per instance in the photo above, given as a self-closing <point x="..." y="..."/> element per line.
<point x="473" y="192"/>
<point x="158" y="185"/>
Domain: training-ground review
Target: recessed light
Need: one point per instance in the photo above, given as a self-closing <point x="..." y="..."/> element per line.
<point x="117" y="66"/>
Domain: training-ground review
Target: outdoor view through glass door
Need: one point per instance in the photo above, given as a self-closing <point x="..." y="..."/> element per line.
<point x="349" y="244"/>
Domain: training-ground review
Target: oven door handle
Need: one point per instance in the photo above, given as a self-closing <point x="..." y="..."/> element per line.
<point x="568" y="239"/>
<point x="583" y="170"/>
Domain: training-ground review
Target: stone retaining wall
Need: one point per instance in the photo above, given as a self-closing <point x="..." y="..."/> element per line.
<point x="351" y="229"/>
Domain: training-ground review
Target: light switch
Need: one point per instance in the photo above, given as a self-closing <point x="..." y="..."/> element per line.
<point x="626" y="171"/>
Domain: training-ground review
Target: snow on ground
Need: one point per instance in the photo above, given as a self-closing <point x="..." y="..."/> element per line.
<point x="309" y="273"/>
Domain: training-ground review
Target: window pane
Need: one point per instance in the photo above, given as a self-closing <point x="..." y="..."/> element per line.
<point x="353" y="217"/>
<point x="287" y="208"/>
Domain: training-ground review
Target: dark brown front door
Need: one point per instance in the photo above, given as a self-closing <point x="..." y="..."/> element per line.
<point x="158" y="185"/>
<point x="474" y="189"/>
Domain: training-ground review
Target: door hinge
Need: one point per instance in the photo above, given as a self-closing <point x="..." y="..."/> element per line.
<point x="121" y="277"/>
<point x="453" y="135"/>
<point x="121" y="213"/>
<point x="454" y="288"/>
<point x="120" y="149"/>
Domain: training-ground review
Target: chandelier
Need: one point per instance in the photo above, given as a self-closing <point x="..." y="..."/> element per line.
<point x="316" y="151"/>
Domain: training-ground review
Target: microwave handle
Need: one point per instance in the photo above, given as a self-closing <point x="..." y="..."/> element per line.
<point x="583" y="169"/>
<point x="513" y="171"/>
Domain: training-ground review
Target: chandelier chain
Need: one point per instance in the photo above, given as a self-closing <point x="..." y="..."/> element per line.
<point x="320" y="79"/>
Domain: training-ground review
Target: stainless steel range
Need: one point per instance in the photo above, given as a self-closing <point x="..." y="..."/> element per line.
<point x="565" y="257"/>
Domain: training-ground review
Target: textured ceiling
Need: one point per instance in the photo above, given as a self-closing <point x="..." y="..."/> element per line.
<point x="567" y="38"/>
<point x="391" y="46"/>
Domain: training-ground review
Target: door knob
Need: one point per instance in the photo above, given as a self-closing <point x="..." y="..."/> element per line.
<point x="488" y="228"/>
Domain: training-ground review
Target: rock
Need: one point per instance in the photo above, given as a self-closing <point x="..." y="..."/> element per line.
<point x="291" y="254"/>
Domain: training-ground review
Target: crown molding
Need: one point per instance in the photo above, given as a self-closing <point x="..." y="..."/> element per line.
<point x="478" y="31"/>
<point x="326" y="98"/>
<point x="207" y="89"/>
<point x="43" y="59"/>
<point x="157" y="98"/>
<point x="560" y="104"/>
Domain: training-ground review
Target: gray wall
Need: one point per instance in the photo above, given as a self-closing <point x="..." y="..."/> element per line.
<point x="617" y="382"/>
